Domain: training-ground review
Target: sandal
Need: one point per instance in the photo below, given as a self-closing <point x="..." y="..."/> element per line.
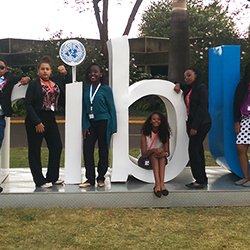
<point x="157" y="193"/>
<point x="164" y="192"/>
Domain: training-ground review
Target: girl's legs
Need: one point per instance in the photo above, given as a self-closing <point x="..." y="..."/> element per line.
<point x="243" y="159"/>
<point x="196" y="154"/>
<point x="103" y="150"/>
<point x="34" y="153"/>
<point x="162" y="164"/>
<point x="54" y="144"/>
<point x="156" y="170"/>
<point x="88" y="153"/>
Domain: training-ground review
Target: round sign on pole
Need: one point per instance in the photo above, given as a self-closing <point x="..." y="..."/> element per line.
<point x="72" y="52"/>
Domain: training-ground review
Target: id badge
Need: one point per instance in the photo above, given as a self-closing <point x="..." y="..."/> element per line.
<point x="91" y="115"/>
<point x="52" y="108"/>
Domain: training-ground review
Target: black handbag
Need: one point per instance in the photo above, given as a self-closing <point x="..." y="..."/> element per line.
<point x="144" y="162"/>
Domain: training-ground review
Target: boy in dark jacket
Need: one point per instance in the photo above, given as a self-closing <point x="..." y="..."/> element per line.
<point x="7" y="82"/>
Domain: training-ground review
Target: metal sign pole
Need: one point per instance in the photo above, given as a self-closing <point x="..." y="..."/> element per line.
<point x="73" y="74"/>
<point x="72" y="52"/>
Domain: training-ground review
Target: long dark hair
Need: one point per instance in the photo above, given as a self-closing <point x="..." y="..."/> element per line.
<point x="246" y="77"/>
<point x="88" y="71"/>
<point x="241" y="92"/>
<point x="164" y="128"/>
<point x="243" y="84"/>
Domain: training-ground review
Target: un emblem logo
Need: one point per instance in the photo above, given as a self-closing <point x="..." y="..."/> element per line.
<point x="72" y="52"/>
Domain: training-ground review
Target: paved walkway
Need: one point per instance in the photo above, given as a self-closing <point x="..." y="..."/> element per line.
<point x="19" y="191"/>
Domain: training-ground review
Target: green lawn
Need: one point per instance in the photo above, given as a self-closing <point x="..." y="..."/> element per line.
<point x="18" y="157"/>
<point x="175" y="228"/>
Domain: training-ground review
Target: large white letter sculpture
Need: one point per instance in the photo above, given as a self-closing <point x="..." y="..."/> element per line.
<point x="73" y="133"/>
<point x="125" y="95"/>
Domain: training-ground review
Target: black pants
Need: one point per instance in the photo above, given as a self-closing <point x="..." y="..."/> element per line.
<point x="54" y="144"/>
<point x="2" y="128"/>
<point x="196" y="154"/>
<point x="98" y="132"/>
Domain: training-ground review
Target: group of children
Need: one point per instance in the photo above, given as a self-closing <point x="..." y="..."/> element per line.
<point x="44" y="96"/>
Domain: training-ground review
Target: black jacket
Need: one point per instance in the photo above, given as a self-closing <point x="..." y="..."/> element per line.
<point x="34" y="101"/>
<point x="5" y="94"/>
<point x="198" y="110"/>
<point x="61" y="80"/>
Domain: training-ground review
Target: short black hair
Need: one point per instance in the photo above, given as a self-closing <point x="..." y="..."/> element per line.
<point x="4" y="61"/>
<point x="88" y="71"/>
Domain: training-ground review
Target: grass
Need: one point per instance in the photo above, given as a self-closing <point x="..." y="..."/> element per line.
<point x="175" y="228"/>
<point x="18" y="157"/>
<point x="214" y="228"/>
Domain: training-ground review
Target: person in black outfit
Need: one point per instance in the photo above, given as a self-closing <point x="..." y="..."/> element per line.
<point x="42" y="98"/>
<point x="198" y="124"/>
<point x="7" y="82"/>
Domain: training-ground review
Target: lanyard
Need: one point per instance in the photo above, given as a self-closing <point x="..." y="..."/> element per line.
<point x="152" y="142"/>
<point x="91" y="97"/>
<point x="3" y="81"/>
<point x="49" y="85"/>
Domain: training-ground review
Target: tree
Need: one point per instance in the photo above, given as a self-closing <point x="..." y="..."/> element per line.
<point x="213" y="17"/>
<point x="209" y="26"/>
<point x="178" y="55"/>
<point x="101" y="15"/>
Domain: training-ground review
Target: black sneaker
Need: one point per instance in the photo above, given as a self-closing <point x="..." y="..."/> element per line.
<point x="195" y="185"/>
<point x="100" y="184"/>
<point x="1" y="189"/>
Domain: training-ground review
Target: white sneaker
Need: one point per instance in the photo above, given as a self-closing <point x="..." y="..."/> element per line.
<point x="246" y="184"/>
<point x="85" y="184"/>
<point x="58" y="182"/>
<point x="47" y="185"/>
<point x="240" y="182"/>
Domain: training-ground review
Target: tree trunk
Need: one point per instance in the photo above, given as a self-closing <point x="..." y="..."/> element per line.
<point x="102" y="24"/>
<point x="132" y="17"/>
<point x="178" y="57"/>
<point x="103" y="31"/>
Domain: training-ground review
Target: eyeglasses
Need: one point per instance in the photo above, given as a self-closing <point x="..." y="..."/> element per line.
<point x="2" y="67"/>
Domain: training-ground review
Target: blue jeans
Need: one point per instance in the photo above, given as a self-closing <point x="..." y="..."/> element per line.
<point x="2" y="127"/>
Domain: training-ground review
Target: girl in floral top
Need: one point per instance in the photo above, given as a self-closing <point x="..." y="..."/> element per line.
<point x="41" y="103"/>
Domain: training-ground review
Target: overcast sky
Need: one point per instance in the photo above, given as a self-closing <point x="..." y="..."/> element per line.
<point x="30" y="19"/>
